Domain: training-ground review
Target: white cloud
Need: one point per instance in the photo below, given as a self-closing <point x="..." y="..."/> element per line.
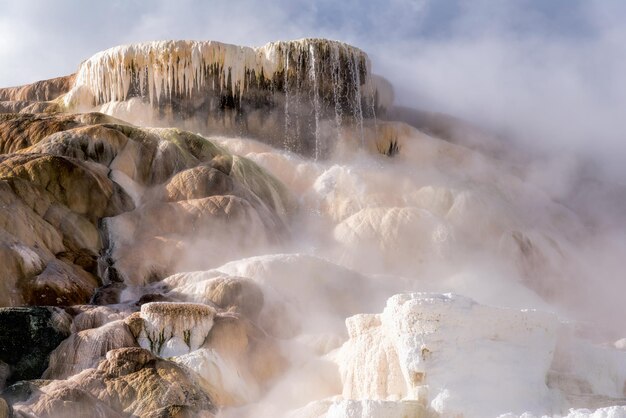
<point x="504" y="68"/>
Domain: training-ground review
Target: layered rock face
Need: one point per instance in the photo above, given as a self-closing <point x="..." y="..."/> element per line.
<point x="54" y="202"/>
<point x="94" y="206"/>
<point x="40" y="91"/>
<point x="75" y="183"/>
<point x="147" y="271"/>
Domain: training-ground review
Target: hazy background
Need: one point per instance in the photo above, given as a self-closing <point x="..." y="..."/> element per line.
<point x="551" y="73"/>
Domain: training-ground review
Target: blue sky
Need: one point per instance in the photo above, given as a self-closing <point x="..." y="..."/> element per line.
<point x="548" y="71"/>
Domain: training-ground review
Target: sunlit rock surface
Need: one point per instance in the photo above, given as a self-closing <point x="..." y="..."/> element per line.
<point x="456" y="357"/>
<point x="50" y="238"/>
<point x="287" y="93"/>
<point x="130" y="381"/>
<point x="40" y="91"/>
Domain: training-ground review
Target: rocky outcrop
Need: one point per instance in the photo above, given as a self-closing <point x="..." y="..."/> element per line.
<point x="88" y="316"/>
<point x="160" y="71"/>
<point x="30" y="107"/>
<point x="49" y="234"/>
<point x="129" y="382"/>
<point x="40" y="91"/>
<point x="190" y="281"/>
<point x="27" y="336"/>
<point x="18" y="132"/>
<point x="72" y="182"/>
<point x="89" y="195"/>
<point x="228" y="357"/>
<point x="170" y="329"/>
<point x="449" y="355"/>
<point x="85" y="349"/>
<point x="14" y="106"/>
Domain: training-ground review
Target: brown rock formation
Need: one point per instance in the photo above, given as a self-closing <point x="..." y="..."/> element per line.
<point x="50" y="237"/>
<point x="44" y="90"/>
<point x="129" y="382"/>
<point x="66" y="178"/>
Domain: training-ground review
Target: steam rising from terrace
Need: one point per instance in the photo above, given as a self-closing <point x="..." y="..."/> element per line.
<point x="223" y="277"/>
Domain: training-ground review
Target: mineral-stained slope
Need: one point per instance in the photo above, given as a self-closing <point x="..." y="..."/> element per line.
<point x="50" y="237"/>
<point x="65" y="179"/>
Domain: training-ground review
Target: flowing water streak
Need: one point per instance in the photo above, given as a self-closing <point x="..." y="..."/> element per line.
<point x="372" y="93"/>
<point x="287" y="141"/>
<point x="298" y="100"/>
<point x="336" y="80"/>
<point x="357" y="108"/>
<point x="316" y="100"/>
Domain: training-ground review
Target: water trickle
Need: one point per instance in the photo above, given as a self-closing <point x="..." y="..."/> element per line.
<point x="357" y="106"/>
<point x="336" y="79"/>
<point x="372" y="102"/>
<point x="298" y="102"/>
<point x="288" y="139"/>
<point x="316" y="100"/>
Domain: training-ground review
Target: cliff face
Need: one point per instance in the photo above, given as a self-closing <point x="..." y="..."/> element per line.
<point x="279" y="90"/>
<point x="164" y="71"/>
<point x="297" y="95"/>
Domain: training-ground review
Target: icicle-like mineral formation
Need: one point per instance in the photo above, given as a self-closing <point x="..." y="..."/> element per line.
<point x="296" y="91"/>
<point x="171" y="329"/>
